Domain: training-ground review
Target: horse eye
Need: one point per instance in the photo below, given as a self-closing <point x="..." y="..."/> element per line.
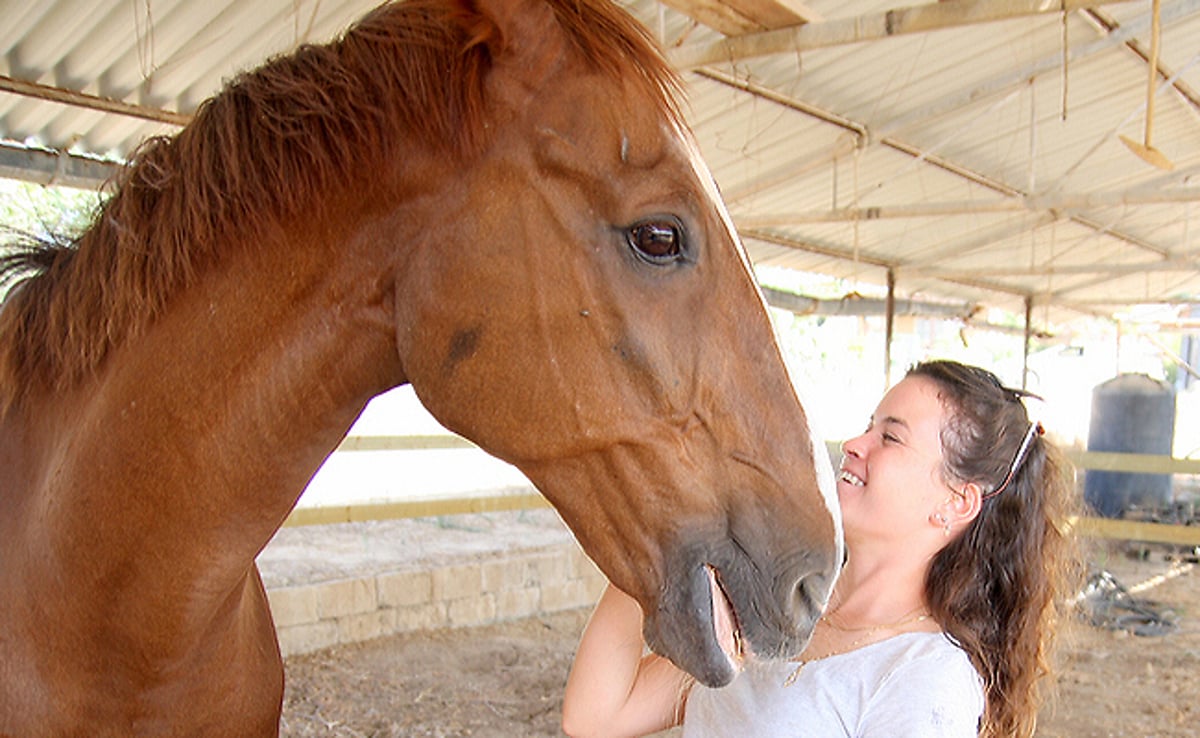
<point x="657" y="241"/>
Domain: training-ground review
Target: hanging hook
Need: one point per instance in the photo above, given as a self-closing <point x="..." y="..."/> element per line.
<point x="1146" y="150"/>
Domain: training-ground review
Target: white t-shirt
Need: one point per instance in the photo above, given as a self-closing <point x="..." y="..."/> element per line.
<point x="913" y="685"/>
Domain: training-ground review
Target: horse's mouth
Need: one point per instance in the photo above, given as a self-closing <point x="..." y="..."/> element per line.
<point x="727" y="630"/>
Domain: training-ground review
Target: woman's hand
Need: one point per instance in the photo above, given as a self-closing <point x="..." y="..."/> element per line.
<point x="615" y="687"/>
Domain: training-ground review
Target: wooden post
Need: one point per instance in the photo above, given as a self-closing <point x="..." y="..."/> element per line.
<point x="1028" y="338"/>
<point x="889" y="327"/>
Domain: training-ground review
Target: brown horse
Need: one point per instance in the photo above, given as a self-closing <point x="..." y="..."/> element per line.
<point x="493" y="200"/>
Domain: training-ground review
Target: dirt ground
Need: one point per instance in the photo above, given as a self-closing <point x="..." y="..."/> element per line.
<point x="506" y="680"/>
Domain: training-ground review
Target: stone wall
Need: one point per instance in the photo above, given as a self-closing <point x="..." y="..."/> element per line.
<point x="476" y="588"/>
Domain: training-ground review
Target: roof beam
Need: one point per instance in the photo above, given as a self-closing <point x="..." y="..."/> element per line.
<point x="860" y="131"/>
<point x="1108" y="26"/>
<point x="1100" y="269"/>
<point x="736" y="17"/>
<point x="984" y="238"/>
<point x="857" y="305"/>
<point x="1055" y="296"/>
<point x="785" y="173"/>
<point x="1058" y="202"/>
<point x="781" y="174"/>
<point x="885" y="132"/>
<point x="960" y="99"/>
<point x="92" y="102"/>
<point x="870" y="27"/>
<point x="867" y="260"/>
<point x="812" y="248"/>
<point x="1013" y="192"/>
<point x="61" y="168"/>
<point x="970" y="281"/>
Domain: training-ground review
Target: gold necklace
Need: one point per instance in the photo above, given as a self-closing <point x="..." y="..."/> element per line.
<point x="867" y="633"/>
<point x="905" y="619"/>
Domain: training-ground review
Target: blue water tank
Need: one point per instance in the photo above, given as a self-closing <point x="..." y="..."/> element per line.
<point x="1130" y="414"/>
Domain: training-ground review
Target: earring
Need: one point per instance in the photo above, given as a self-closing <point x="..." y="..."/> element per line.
<point x="943" y="521"/>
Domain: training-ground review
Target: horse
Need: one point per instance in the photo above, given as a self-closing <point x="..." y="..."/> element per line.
<point x="498" y="202"/>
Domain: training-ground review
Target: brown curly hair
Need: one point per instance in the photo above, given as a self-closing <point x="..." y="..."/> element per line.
<point x="1000" y="588"/>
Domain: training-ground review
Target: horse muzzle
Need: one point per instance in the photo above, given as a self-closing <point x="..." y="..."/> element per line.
<point x="722" y="611"/>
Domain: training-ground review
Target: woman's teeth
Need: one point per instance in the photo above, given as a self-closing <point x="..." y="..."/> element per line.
<point x="849" y="478"/>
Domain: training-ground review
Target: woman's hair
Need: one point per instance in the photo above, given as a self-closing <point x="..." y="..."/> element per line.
<point x="1000" y="587"/>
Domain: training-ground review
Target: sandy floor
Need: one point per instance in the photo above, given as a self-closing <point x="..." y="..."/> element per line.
<point x="506" y="680"/>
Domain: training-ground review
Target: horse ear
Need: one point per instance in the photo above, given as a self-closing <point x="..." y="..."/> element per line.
<point x="524" y="29"/>
<point x="481" y="28"/>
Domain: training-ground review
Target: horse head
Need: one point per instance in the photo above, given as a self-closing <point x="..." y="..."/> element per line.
<point x="583" y="308"/>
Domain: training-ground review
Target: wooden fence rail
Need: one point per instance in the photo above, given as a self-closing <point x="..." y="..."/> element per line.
<point x="524" y="499"/>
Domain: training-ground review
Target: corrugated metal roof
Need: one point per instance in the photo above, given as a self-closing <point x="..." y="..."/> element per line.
<point x="972" y="162"/>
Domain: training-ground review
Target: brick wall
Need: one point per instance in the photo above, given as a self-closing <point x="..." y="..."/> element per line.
<point x="480" y="590"/>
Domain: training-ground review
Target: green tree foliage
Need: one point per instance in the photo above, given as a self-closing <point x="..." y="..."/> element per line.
<point x="45" y="213"/>
<point x="36" y="213"/>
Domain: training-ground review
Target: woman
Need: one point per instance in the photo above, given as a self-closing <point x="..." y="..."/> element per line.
<point x="942" y="619"/>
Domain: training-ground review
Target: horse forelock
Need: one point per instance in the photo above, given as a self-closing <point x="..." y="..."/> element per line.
<point x="274" y="142"/>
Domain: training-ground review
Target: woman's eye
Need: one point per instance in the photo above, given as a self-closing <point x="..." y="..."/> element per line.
<point x="658" y="241"/>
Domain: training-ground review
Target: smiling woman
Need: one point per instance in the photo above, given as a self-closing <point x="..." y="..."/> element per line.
<point x="941" y="621"/>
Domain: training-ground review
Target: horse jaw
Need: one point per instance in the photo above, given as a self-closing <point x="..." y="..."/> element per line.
<point x="708" y="645"/>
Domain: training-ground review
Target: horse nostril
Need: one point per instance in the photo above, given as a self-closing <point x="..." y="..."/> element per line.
<point x="810" y="596"/>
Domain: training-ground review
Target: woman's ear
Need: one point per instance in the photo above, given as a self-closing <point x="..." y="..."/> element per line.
<point x="965" y="504"/>
<point x="958" y="509"/>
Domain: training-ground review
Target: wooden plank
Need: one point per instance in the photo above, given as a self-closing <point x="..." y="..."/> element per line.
<point x="415" y="509"/>
<point x="1137" y="530"/>
<point x="75" y="98"/>
<point x="404" y="443"/>
<point x="776" y="13"/>
<point x="1100" y="461"/>
<point x="1104" y="528"/>
<point x="1095" y="460"/>
<point x="735" y="17"/>
<point x="1139" y="463"/>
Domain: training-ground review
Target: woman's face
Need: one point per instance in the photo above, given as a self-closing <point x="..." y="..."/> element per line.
<point x="890" y="480"/>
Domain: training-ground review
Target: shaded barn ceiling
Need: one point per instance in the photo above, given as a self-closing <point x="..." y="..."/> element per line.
<point x="969" y="153"/>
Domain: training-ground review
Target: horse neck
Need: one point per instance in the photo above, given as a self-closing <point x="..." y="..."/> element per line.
<point x="201" y="433"/>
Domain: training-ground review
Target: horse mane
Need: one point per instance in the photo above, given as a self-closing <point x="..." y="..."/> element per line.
<point x="274" y="141"/>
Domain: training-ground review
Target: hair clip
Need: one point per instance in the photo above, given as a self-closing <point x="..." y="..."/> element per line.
<point x="1035" y="428"/>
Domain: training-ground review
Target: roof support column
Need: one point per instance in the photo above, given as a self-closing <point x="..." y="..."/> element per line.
<point x="889" y="327"/>
<point x="1028" y="339"/>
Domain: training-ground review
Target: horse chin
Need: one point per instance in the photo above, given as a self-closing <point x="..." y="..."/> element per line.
<point x="702" y="635"/>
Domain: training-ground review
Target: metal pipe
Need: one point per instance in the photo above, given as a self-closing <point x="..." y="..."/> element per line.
<point x="91" y="102"/>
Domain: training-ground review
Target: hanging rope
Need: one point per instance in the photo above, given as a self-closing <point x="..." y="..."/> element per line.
<point x="145" y="40"/>
<point x="1065" y="59"/>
